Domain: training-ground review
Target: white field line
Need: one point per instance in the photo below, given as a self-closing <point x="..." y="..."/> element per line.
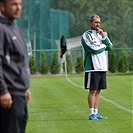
<point x="74" y="83"/>
<point x="117" y="105"/>
<point x="105" y="99"/>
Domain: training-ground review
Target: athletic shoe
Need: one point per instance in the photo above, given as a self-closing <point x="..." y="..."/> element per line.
<point x="93" y="117"/>
<point x="101" y="117"/>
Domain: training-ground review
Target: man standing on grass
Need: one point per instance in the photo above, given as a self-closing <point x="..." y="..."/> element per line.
<point x="14" y="70"/>
<point x="95" y="44"/>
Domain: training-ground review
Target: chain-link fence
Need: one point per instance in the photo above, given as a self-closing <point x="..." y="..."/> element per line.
<point x="120" y="60"/>
<point x="43" y="22"/>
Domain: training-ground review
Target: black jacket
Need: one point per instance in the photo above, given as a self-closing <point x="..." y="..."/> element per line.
<point x="14" y="69"/>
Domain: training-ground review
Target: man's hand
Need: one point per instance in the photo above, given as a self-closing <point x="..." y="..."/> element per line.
<point x="100" y="31"/>
<point x="28" y="96"/>
<point x="6" y="101"/>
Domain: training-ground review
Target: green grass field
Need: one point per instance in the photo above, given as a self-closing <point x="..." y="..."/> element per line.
<point x="60" y="106"/>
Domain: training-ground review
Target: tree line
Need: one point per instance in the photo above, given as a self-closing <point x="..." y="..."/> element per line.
<point x="120" y="62"/>
<point x="116" y="16"/>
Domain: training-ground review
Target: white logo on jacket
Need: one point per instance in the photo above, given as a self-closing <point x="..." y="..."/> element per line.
<point x="14" y="38"/>
<point x="8" y="58"/>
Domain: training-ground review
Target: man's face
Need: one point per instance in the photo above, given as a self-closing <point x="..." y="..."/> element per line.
<point x="95" y="24"/>
<point x="11" y="9"/>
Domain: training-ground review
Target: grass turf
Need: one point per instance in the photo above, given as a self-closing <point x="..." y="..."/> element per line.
<point x="57" y="106"/>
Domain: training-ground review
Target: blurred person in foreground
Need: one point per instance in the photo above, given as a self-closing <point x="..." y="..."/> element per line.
<point x="14" y="70"/>
<point x="95" y="44"/>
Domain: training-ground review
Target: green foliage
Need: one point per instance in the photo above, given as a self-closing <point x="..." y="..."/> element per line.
<point x="32" y="65"/>
<point x="54" y="67"/>
<point x="79" y="65"/>
<point x="112" y="61"/>
<point x="44" y="67"/>
<point x="69" y="63"/>
<point x="115" y="17"/>
<point x="122" y="65"/>
<point x="130" y="65"/>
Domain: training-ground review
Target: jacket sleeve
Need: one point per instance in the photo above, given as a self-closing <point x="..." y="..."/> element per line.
<point x="90" y="46"/>
<point x="107" y="42"/>
<point x="3" y="86"/>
